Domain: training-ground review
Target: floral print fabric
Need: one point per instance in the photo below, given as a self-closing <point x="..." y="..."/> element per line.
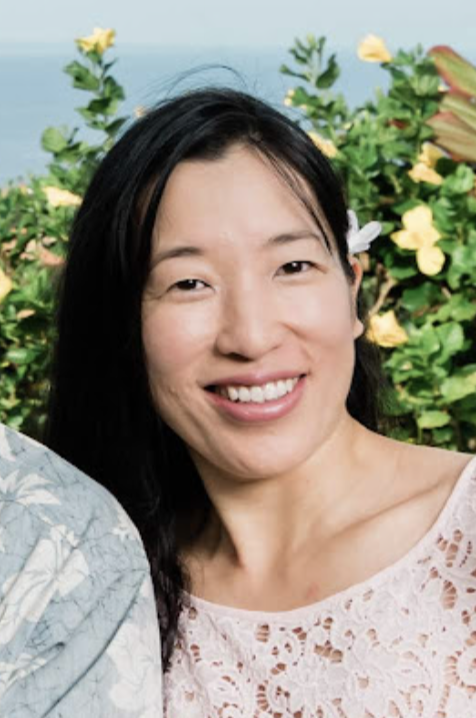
<point x="78" y="629"/>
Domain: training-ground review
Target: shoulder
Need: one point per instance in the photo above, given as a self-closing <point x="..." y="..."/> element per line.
<point x="436" y="469"/>
<point x="57" y="521"/>
<point x="439" y="485"/>
<point x="63" y="538"/>
<point x="35" y="478"/>
<point x="75" y="589"/>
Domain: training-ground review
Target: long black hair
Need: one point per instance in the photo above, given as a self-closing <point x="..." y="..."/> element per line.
<point x="101" y="415"/>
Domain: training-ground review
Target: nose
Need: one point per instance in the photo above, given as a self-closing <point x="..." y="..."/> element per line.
<point x="250" y="322"/>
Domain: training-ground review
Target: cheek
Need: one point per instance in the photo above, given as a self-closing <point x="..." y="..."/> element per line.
<point x="172" y="344"/>
<point x="327" y="317"/>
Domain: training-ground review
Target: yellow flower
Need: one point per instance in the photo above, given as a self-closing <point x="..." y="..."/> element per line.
<point x="288" y="100"/>
<point x="327" y="147"/>
<point x="373" y="49"/>
<point x="422" y="173"/>
<point x="420" y="235"/>
<point x="61" y="197"/>
<point x="385" y="330"/>
<point x="430" y="154"/>
<point x="6" y="285"/>
<point x="99" y="41"/>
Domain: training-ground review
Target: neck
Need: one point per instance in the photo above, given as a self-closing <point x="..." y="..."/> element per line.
<point x="258" y="525"/>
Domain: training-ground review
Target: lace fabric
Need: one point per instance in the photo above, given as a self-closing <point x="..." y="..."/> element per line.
<point x="401" y="644"/>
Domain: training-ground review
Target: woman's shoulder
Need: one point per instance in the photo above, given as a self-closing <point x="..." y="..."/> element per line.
<point x="437" y="467"/>
<point x="40" y="490"/>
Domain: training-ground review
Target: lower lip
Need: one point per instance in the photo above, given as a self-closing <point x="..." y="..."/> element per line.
<point x="251" y="412"/>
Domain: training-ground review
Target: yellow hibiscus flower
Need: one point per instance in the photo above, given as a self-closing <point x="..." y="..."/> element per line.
<point x="430" y="154"/>
<point x="424" y="169"/>
<point x="99" y="41"/>
<point x="6" y="285"/>
<point x="422" y="173"/>
<point x="327" y="147"/>
<point x="385" y="330"/>
<point x="61" y="197"/>
<point x="420" y="235"/>
<point x="373" y="49"/>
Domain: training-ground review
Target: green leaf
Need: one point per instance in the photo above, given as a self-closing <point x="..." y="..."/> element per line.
<point x="112" y="89"/>
<point x="461" y="182"/>
<point x="451" y="337"/>
<point x="53" y="140"/>
<point x="458" y="387"/>
<point x="426" y="340"/>
<point x="433" y="419"/>
<point x="443" y="435"/>
<point x="420" y="297"/>
<point x="83" y="78"/>
<point x="21" y="355"/>
<point x="401" y="272"/>
<point x="327" y="78"/>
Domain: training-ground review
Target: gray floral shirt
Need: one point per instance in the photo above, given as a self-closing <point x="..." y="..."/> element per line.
<point x="78" y="628"/>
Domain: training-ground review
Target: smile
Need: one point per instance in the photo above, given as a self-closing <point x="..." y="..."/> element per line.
<point x="258" y="394"/>
<point x="251" y="403"/>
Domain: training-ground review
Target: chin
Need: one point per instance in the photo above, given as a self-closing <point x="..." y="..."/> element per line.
<point x="251" y="464"/>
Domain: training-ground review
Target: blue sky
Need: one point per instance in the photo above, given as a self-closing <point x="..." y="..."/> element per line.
<point x="200" y="23"/>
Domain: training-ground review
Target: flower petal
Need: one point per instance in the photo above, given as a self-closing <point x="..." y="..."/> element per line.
<point x="418" y="219"/>
<point x="407" y="240"/>
<point x="430" y="154"/>
<point x="6" y="285"/>
<point x="327" y="147"/>
<point x="430" y="260"/>
<point x="61" y="197"/>
<point x="373" y="49"/>
<point x="385" y="330"/>
<point x="421" y="172"/>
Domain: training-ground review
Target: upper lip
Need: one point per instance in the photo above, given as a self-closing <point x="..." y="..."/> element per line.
<point x="255" y="378"/>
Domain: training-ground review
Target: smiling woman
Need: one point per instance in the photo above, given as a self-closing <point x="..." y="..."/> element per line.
<point x="212" y="371"/>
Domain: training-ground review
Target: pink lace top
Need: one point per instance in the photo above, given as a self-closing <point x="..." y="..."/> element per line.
<point x="401" y="644"/>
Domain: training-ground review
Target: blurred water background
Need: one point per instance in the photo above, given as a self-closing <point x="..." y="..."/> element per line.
<point x="35" y="93"/>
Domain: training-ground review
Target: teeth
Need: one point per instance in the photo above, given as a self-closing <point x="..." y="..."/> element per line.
<point x="258" y="394"/>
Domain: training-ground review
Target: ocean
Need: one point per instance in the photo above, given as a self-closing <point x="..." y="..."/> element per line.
<point x="36" y="93"/>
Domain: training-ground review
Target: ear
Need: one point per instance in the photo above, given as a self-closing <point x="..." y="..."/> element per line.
<point x="355" y="287"/>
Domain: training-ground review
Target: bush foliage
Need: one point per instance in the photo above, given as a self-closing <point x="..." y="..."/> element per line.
<point x="420" y="279"/>
<point x="420" y="274"/>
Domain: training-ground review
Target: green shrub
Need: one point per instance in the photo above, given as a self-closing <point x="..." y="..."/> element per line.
<point x="35" y="219"/>
<point x="423" y="267"/>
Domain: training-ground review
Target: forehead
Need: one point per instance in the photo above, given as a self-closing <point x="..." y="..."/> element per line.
<point x="238" y="195"/>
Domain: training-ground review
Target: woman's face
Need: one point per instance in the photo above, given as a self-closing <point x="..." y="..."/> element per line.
<point x="256" y="296"/>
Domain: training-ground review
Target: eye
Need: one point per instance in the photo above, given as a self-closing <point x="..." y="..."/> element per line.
<point x="187" y="285"/>
<point x="296" y="267"/>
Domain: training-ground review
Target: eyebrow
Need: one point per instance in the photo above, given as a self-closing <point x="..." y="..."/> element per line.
<point x="276" y="240"/>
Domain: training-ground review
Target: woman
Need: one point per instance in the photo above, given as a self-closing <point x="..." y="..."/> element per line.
<point x="212" y="371"/>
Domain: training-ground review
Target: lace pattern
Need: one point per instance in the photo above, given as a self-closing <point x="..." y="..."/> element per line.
<point x="400" y="645"/>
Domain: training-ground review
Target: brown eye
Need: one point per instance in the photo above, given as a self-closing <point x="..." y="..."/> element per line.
<point x="186" y="285"/>
<point x="296" y="267"/>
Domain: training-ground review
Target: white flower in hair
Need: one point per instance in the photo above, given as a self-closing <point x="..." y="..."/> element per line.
<point x="358" y="240"/>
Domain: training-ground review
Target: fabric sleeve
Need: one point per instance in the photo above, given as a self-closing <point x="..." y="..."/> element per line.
<point x="79" y="634"/>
